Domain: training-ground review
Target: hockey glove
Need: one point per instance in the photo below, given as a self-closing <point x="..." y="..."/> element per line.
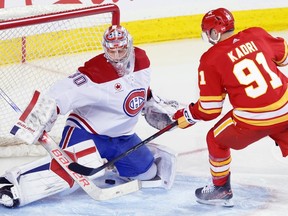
<point x="158" y="112"/>
<point x="184" y="117"/>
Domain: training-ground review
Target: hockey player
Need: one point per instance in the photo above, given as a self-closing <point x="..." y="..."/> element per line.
<point x="105" y="98"/>
<point x="243" y="66"/>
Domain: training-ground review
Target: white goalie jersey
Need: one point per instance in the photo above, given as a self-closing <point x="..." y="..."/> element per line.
<point x="101" y="101"/>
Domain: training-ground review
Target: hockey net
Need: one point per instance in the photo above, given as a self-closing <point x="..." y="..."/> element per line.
<point x="38" y="46"/>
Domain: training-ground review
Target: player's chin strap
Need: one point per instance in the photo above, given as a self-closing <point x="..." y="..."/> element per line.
<point x="88" y="171"/>
<point x="64" y="161"/>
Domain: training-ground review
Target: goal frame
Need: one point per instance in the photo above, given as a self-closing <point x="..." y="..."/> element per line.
<point x="56" y="16"/>
<point x="47" y="17"/>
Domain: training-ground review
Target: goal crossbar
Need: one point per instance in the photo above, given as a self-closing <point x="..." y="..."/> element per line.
<point x="69" y="14"/>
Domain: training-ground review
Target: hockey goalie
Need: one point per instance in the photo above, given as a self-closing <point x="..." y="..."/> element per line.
<point x="104" y="99"/>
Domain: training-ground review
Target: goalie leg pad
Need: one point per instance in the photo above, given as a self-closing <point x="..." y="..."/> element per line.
<point x="49" y="179"/>
<point x="29" y="186"/>
<point x="149" y="174"/>
<point x="166" y="161"/>
<point x="84" y="153"/>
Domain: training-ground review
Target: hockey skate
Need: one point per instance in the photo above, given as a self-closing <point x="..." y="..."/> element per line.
<point x="8" y="197"/>
<point x="215" y="195"/>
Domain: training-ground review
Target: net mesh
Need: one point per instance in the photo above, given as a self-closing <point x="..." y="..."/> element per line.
<point x="33" y="57"/>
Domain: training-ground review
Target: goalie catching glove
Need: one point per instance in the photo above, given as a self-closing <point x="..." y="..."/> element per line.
<point x="184" y="117"/>
<point x="158" y="112"/>
<point x="39" y="116"/>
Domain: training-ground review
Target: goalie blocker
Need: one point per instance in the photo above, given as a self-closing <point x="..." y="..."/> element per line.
<point x="39" y="116"/>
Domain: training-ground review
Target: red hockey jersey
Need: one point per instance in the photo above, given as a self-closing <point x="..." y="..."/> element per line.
<point x="244" y="67"/>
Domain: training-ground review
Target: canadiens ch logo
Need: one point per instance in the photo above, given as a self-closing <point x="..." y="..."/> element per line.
<point x="134" y="102"/>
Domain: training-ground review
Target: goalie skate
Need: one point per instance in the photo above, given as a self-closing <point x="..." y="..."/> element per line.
<point x="8" y="197"/>
<point x="215" y="195"/>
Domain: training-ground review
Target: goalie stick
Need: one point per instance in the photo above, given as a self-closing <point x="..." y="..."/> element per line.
<point x="64" y="160"/>
<point x="88" y="171"/>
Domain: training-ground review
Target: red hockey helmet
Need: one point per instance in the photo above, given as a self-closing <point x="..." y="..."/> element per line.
<point x="221" y="20"/>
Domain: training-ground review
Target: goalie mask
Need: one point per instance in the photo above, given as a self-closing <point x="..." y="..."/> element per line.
<point x="215" y="23"/>
<point x="118" y="49"/>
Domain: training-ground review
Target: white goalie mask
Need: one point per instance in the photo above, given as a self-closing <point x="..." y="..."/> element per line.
<point x="118" y="48"/>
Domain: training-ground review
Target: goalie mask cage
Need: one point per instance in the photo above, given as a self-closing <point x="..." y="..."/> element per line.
<point x="38" y="46"/>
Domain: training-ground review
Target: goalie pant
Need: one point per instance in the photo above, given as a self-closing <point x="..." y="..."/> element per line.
<point x="45" y="177"/>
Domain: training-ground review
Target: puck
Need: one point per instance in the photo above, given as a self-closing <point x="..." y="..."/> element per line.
<point x="110" y="181"/>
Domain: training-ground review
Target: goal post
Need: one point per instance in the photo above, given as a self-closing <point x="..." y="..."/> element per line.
<point x="38" y="46"/>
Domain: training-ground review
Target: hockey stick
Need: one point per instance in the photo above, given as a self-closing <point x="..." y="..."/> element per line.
<point x="64" y="160"/>
<point x="88" y="171"/>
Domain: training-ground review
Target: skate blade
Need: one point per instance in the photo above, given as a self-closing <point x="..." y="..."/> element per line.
<point x="217" y="202"/>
